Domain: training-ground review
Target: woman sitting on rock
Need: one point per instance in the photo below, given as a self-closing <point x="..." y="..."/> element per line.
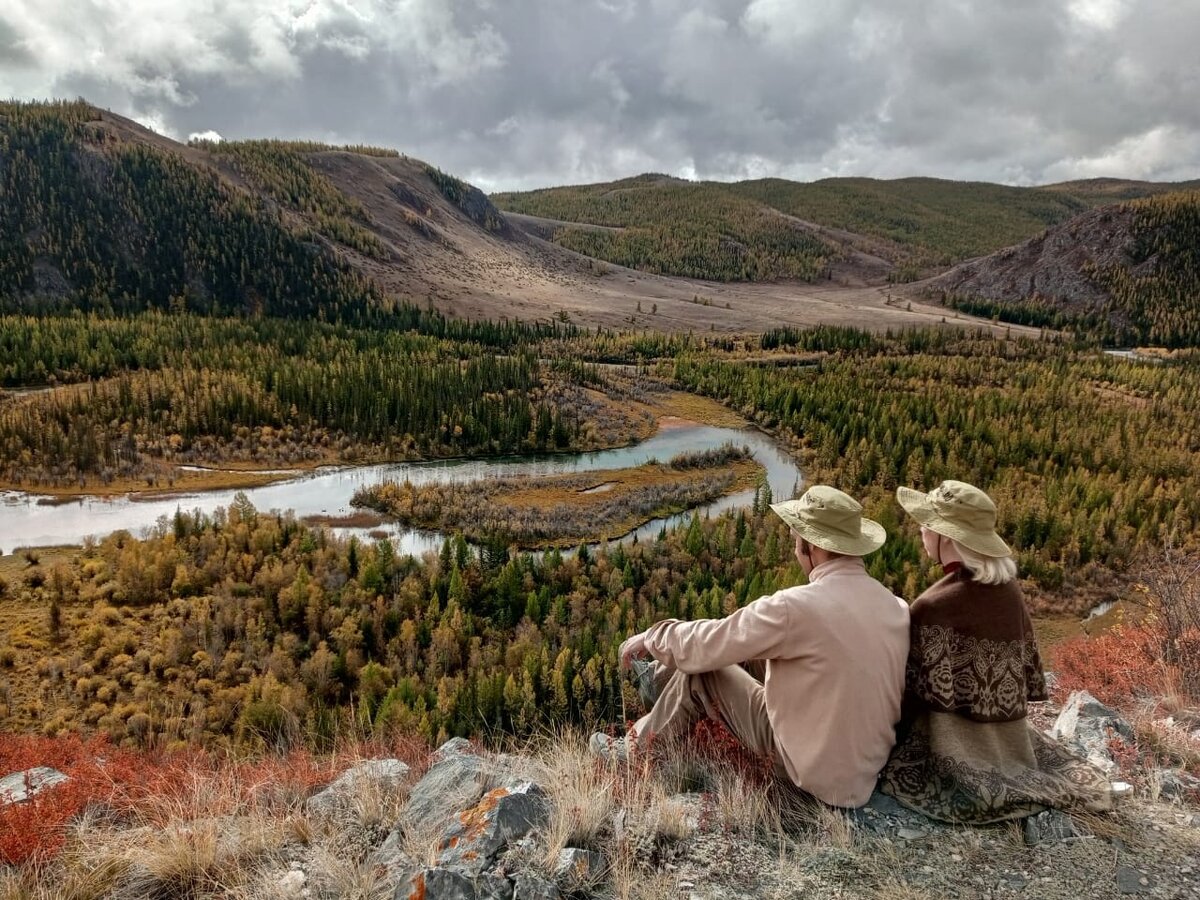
<point x="966" y="753"/>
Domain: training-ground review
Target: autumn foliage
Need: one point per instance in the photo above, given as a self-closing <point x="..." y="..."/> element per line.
<point x="1119" y="667"/>
<point x="155" y="787"/>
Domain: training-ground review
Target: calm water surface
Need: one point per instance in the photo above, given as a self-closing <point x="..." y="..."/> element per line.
<point x="24" y="523"/>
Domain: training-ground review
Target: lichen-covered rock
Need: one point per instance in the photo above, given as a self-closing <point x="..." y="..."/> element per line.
<point x="456" y="782"/>
<point x="21" y="786"/>
<point x="369" y="775"/>
<point x="1087" y="725"/>
<point x="443" y="884"/>
<point x="477" y="835"/>
<point x="452" y="784"/>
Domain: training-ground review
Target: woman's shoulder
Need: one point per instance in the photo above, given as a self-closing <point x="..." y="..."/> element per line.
<point x="945" y="590"/>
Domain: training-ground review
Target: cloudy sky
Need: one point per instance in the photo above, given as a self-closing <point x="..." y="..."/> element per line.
<point x="525" y="93"/>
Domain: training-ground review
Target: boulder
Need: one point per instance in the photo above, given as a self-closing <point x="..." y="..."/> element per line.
<point x="476" y="836"/>
<point x="370" y="775"/>
<point x="456" y="782"/>
<point x="443" y="884"/>
<point x="451" y="784"/>
<point x="21" y="786"/>
<point x="1086" y="725"/>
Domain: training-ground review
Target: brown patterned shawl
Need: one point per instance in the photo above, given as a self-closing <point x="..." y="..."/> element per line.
<point x="973" y="651"/>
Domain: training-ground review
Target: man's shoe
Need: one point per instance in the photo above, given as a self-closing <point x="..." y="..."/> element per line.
<point x="609" y="748"/>
<point x="643" y="677"/>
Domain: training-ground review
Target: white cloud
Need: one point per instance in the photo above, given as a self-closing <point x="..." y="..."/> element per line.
<point x="529" y="92"/>
<point x="209" y="135"/>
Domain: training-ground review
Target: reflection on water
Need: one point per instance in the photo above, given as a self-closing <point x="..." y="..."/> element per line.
<point x="23" y="522"/>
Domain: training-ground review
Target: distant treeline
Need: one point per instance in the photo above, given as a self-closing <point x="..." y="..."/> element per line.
<point x="181" y="388"/>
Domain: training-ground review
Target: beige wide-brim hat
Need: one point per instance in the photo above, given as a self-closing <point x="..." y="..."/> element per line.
<point x="957" y="510"/>
<point x="831" y="520"/>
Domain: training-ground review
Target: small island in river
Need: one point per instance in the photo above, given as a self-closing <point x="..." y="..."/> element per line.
<point x="562" y="510"/>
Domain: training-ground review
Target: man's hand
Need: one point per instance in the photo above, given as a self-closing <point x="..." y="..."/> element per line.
<point x="633" y="648"/>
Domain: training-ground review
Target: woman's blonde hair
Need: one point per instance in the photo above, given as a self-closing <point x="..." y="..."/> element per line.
<point x="986" y="569"/>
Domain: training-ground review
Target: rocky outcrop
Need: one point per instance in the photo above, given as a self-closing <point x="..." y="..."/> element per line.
<point x="1054" y="266"/>
<point x="1091" y="729"/>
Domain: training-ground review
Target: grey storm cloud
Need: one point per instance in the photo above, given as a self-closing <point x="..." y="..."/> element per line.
<point x="526" y="93"/>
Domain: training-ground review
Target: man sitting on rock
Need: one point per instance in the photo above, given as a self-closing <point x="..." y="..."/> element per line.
<point x="834" y="653"/>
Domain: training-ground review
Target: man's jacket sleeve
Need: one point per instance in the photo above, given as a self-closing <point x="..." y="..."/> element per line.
<point x="756" y="631"/>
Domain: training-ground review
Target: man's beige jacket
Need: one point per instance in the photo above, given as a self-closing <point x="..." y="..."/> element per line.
<point x="836" y="650"/>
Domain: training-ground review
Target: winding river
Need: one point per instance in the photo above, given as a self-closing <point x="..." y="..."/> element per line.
<point x="26" y="523"/>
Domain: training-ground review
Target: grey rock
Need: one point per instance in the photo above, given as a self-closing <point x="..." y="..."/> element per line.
<point x="503" y="815"/>
<point x="1175" y="785"/>
<point x="575" y="866"/>
<point x="910" y="834"/>
<point x="443" y="884"/>
<point x="888" y="806"/>
<point x="1086" y="725"/>
<point x="370" y="775"/>
<point x="529" y="887"/>
<point x="1051" y="825"/>
<point x="456" y="782"/>
<point x="21" y="786"/>
<point x="389" y="859"/>
<point x="1131" y="881"/>
<point x="452" y="784"/>
<point x="454" y="747"/>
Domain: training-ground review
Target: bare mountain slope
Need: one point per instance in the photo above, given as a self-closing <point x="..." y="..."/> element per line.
<point x="1055" y="265"/>
<point x="102" y="213"/>
<point x="1123" y="273"/>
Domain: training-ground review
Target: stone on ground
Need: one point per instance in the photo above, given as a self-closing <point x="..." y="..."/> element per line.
<point x="1086" y="726"/>
<point x="21" y="786"/>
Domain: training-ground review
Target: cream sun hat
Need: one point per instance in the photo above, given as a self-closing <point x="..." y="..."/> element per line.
<point x="957" y="510"/>
<point x="831" y="520"/>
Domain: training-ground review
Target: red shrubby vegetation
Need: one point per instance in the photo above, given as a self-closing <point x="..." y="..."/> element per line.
<point x="1119" y="667"/>
<point x="157" y="787"/>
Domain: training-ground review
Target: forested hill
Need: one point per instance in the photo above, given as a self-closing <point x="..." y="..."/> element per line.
<point x="99" y="213"/>
<point x="1127" y="273"/>
<point x="919" y="224"/>
<point x="671" y="227"/>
